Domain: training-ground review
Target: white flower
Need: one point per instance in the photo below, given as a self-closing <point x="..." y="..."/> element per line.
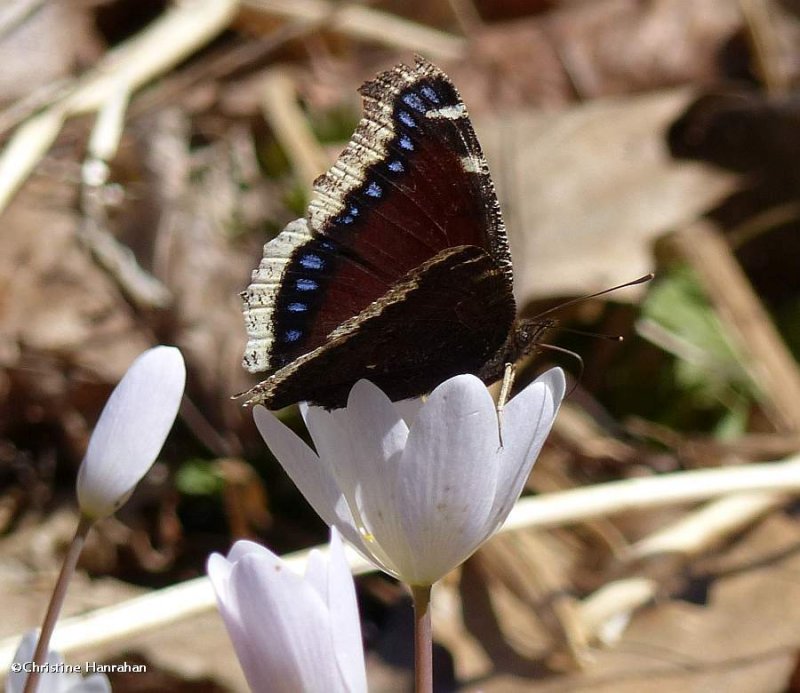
<point x="131" y="431"/>
<point x="291" y="633"/>
<point x="54" y="681"/>
<point x="418" y="495"/>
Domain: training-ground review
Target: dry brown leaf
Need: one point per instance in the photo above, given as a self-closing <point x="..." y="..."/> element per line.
<point x="623" y="46"/>
<point x="743" y="640"/>
<point x="594" y="49"/>
<point x="56" y="304"/>
<point x="586" y="191"/>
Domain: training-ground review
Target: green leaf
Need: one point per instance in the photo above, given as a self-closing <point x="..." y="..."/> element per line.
<point x="708" y="368"/>
<point x="198" y="478"/>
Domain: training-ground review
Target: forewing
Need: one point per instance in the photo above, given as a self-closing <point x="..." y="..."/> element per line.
<point x="411" y="183"/>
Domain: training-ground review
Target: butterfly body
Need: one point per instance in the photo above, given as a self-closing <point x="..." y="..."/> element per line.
<point x="400" y="272"/>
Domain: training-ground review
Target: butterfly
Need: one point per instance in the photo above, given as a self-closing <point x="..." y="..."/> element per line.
<point x="400" y="272"/>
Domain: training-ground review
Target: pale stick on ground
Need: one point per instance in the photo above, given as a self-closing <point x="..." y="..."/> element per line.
<point x="115" y="623"/>
<point x="175" y="35"/>
<point x="611" y="606"/>
<point x="369" y="24"/>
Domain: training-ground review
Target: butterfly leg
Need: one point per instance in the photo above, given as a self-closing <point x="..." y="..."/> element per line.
<point x="505" y="391"/>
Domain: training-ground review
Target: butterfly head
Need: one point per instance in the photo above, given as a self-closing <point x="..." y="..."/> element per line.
<point x="523" y="338"/>
<point x="525" y="335"/>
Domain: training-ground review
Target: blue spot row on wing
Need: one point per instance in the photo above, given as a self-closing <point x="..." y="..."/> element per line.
<point x="407" y="119"/>
<point x="419" y="93"/>
<point x="302" y="291"/>
<point x="303" y="294"/>
<point x="419" y="98"/>
<point x="429" y="93"/>
<point x="312" y="261"/>
<point x="414" y="101"/>
<point x="352" y="212"/>
<point x="292" y="335"/>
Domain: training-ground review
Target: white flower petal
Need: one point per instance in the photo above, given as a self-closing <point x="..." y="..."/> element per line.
<point x="409" y="408"/>
<point x="331" y="433"/>
<point x="131" y="430"/>
<point x="446" y="480"/>
<point x="243" y="547"/>
<point x="527" y="420"/>
<point x="325" y="428"/>
<point x="313" y="478"/>
<point x="291" y="633"/>
<point x="358" y="442"/>
<point x="331" y="576"/>
<point x="275" y="620"/>
<point x="219" y="572"/>
<point x="374" y="415"/>
<point x="317" y="573"/>
<point x="378" y="436"/>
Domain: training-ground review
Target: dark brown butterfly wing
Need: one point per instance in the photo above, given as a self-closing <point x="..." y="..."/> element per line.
<point x="412" y="183"/>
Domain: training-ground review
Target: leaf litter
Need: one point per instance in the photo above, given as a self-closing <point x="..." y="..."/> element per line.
<point x="581" y="108"/>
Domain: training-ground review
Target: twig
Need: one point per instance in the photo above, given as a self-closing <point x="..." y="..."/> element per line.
<point x="117" y="259"/>
<point x="763" y="222"/>
<point x="366" y="23"/>
<point x="705" y="451"/>
<point x="762" y="39"/>
<point x="163" y="44"/>
<point x="466" y="14"/>
<point x="143" y="289"/>
<point x="605" y="613"/>
<point x="290" y="125"/>
<point x="699" y="531"/>
<point x="15" y="13"/>
<point x="218" y="65"/>
<point x="576" y="505"/>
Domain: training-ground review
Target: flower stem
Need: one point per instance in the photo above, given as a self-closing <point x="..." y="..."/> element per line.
<point x="423" y="639"/>
<point x="57" y="601"/>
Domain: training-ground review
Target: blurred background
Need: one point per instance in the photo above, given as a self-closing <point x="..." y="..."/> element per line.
<point x="151" y="148"/>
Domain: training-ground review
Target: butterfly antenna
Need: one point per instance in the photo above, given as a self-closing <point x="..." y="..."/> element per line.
<point x="596" y="335"/>
<point x="641" y="280"/>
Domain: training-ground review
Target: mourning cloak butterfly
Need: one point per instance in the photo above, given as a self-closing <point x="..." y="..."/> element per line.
<point x="400" y="273"/>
